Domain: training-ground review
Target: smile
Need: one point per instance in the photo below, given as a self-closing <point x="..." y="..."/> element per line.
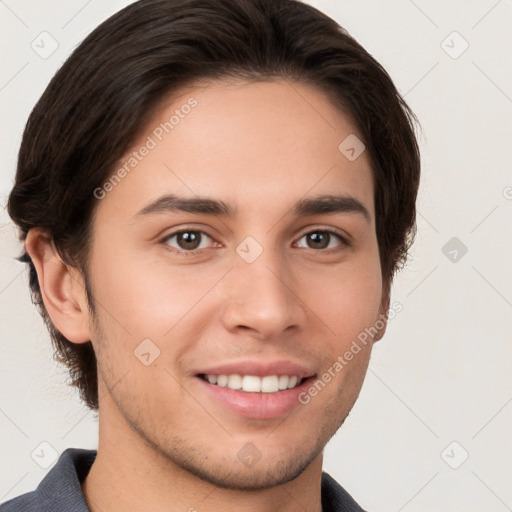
<point x="253" y="383"/>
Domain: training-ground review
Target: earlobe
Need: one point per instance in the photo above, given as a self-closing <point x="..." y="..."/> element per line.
<point x="61" y="286"/>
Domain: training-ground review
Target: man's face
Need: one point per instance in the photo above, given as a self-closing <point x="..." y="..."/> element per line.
<point x="262" y="290"/>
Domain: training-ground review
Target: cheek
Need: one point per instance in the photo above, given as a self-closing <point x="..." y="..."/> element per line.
<point x="346" y="298"/>
<point x="148" y="298"/>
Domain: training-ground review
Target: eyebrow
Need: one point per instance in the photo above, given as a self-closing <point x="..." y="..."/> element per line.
<point x="324" y="204"/>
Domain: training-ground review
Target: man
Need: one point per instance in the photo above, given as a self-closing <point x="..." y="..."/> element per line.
<point x="214" y="196"/>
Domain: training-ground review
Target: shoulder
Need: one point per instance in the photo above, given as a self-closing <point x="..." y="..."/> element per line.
<point x="60" y="489"/>
<point x="335" y="498"/>
<point x="24" y="503"/>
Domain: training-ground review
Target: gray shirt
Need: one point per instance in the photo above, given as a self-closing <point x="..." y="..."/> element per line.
<point x="60" y="489"/>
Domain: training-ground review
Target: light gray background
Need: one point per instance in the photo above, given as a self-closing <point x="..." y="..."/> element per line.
<point x="442" y="372"/>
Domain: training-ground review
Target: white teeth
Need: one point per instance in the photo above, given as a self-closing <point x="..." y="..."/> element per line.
<point x="292" y="382"/>
<point x="251" y="383"/>
<point x="270" y="384"/>
<point x="255" y="384"/>
<point x="235" y="382"/>
<point x="283" y="382"/>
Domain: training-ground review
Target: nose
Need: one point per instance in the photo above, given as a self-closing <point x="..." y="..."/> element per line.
<point x="261" y="298"/>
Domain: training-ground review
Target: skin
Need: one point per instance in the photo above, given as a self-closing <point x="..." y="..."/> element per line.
<point x="164" y="444"/>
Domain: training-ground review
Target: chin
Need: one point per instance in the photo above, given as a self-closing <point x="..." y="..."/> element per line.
<point x="261" y="475"/>
<point x="242" y="466"/>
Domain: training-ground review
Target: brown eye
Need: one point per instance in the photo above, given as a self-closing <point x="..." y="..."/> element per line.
<point x="321" y="240"/>
<point x="188" y="240"/>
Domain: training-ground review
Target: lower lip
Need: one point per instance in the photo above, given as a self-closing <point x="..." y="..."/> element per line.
<point x="256" y="405"/>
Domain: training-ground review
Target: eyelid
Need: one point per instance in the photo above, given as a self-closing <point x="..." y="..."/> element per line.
<point x="185" y="229"/>
<point x="344" y="238"/>
<point x="343" y="243"/>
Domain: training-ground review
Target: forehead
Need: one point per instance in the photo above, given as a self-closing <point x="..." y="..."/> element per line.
<point x="244" y="142"/>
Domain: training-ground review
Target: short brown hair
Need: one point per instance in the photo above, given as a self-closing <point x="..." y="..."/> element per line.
<point x="97" y="103"/>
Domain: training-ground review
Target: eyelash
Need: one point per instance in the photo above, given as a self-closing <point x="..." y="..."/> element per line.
<point x="343" y="241"/>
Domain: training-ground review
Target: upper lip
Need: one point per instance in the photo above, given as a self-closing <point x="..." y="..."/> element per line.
<point x="259" y="369"/>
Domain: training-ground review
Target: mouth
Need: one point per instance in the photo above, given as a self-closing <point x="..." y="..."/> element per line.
<point x="254" y="383"/>
<point x="257" y="397"/>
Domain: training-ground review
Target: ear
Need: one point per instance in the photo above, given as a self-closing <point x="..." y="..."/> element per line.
<point x="62" y="287"/>
<point x="381" y="322"/>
